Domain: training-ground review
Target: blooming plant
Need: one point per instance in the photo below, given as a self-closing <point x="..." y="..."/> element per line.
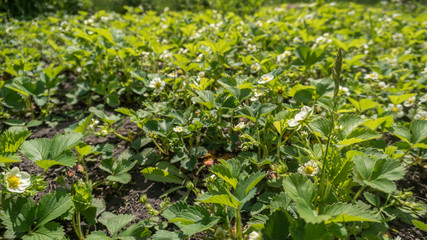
<point x="17" y="181"/>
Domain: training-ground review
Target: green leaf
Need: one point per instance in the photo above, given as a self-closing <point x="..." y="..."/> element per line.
<point x="50" y="231"/>
<point x="419" y="130"/>
<point x="223" y="199"/>
<point x="277" y="226"/>
<point x="378" y="173"/>
<point x="47" y="153"/>
<point x="82" y="127"/>
<point x="307" y="212"/>
<point x="198" y="152"/>
<point x="359" y="135"/>
<point x="190" y="219"/>
<point x="304" y="96"/>
<point x="401" y="132"/>
<point x="160" y="175"/>
<point x="62" y="142"/>
<point x="309" y="231"/>
<point x="308" y="57"/>
<point x="167" y="235"/>
<point x="243" y="186"/>
<point x="98" y="235"/>
<point x="206" y="98"/>
<point x="123" y="178"/>
<point x="322" y="126"/>
<point x="401" y="98"/>
<point x="115" y="222"/>
<point x="341" y="212"/>
<point x="375" y="123"/>
<point x="10" y="141"/>
<point x="265" y="108"/>
<point x="36" y="149"/>
<point x="133" y="231"/>
<point x="9" y="158"/>
<point x="18" y="215"/>
<point x="348" y="123"/>
<point x="420" y="225"/>
<point x="52" y="206"/>
<point x="298" y="187"/>
<point x="363" y="104"/>
<point x="104" y="33"/>
<point x="83" y="149"/>
<point x="228" y="171"/>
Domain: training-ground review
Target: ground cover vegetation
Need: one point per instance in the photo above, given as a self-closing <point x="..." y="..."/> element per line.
<point x="299" y="121"/>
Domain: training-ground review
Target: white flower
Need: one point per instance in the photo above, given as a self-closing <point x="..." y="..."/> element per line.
<point x="251" y="48"/>
<point x="423" y="99"/>
<point x="258" y="23"/>
<point x="257" y="94"/>
<point x="310" y="168"/>
<point x="305" y="111"/>
<point x="410" y="102"/>
<point x="284" y="55"/>
<point x="344" y="90"/>
<point x="372" y="76"/>
<point x="178" y="129"/>
<point x="421" y="115"/>
<point x="157" y="84"/>
<point x="172" y="75"/>
<point x="255" y="67"/>
<point x="93" y="124"/>
<point x="424" y="70"/>
<point x="145" y="54"/>
<point x="17" y="181"/>
<point x="321" y="40"/>
<point x="104" y="132"/>
<point x="265" y="78"/>
<point x="199" y="58"/>
<point x="397" y="37"/>
<point x="382" y="85"/>
<point x="253" y="236"/>
<point x="182" y="51"/>
<point x="201" y="75"/>
<point x="239" y="126"/>
<point x="392" y="61"/>
<point x="396" y="109"/>
<point x="166" y="55"/>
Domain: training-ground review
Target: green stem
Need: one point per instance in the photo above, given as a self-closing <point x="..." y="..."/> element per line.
<point x="278" y="145"/>
<point x="79" y="226"/>
<point x="121" y="136"/>
<point x="157" y="145"/>
<point x="82" y="161"/>
<point x="95" y="185"/>
<point x="317" y="138"/>
<point x="238" y="225"/>
<point x="358" y="193"/>
<point x="258" y="139"/>
<point x="231" y="121"/>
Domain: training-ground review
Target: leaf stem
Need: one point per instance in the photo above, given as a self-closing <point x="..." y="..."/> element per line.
<point x="358" y="193"/>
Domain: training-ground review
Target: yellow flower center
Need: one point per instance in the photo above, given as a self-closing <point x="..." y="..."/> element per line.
<point x="395" y="109"/>
<point x="423" y="118"/>
<point x="13" y="181"/>
<point x="309" y="170"/>
<point x="157" y="85"/>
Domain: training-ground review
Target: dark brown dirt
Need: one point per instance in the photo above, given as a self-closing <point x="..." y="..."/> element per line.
<point x="413" y="179"/>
